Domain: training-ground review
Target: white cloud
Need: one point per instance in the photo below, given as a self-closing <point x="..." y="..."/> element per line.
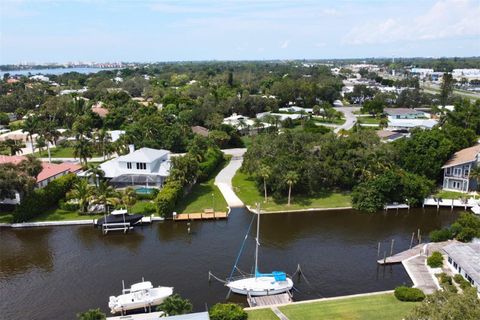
<point x="285" y="44"/>
<point x="445" y="19"/>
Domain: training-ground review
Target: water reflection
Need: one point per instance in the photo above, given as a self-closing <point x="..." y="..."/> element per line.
<point x="93" y="237"/>
<point x="22" y="250"/>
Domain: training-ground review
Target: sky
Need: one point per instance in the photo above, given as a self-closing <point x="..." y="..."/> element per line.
<point x="149" y="31"/>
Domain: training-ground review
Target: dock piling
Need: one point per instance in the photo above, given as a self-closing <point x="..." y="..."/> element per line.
<point x="378" y="250"/>
<point x="391" y="247"/>
<point x="411" y="241"/>
<point x="384" y="257"/>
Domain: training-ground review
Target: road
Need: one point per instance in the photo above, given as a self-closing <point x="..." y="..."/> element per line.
<point x="350" y="118"/>
<point x="224" y="178"/>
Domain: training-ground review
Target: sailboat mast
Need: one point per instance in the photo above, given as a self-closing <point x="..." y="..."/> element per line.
<point x="257" y="243"/>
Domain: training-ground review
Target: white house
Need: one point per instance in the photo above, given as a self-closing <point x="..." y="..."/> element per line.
<point x="143" y="167"/>
<point x="408" y="124"/>
<point x="464" y="258"/>
<point x="456" y="171"/>
<point x="405" y="113"/>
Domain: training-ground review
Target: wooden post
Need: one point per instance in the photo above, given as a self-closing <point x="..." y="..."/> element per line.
<point x="384" y="257"/>
<point x="411" y="241"/>
<point x="391" y="247"/>
<point x="452" y="203"/>
<point x="419" y="236"/>
<point x="378" y="250"/>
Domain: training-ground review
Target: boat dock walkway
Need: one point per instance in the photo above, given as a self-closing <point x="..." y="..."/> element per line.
<point x="452" y="203"/>
<point x="399" y="257"/>
<point x="200" y="216"/>
<point x="270" y="300"/>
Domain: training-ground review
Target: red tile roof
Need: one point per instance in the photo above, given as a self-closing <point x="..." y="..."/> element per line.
<point x="49" y="169"/>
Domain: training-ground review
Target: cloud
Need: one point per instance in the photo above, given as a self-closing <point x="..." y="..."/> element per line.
<point x="445" y="19"/>
<point x="284" y="44"/>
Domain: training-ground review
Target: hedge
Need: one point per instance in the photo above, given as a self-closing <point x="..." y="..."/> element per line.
<point x="440" y="235"/>
<point x="43" y="199"/>
<point x="435" y="260"/>
<point x="168" y="197"/>
<point x="464" y="284"/>
<point x="213" y="158"/>
<point x="404" y="293"/>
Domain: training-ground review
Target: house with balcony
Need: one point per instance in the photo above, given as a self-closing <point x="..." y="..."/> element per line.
<point x="456" y="171"/>
<point x="144" y="167"/>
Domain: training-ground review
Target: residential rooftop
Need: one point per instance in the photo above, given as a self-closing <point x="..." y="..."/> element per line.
<point x="467" y="256"/>
<point x="463" y="156"/>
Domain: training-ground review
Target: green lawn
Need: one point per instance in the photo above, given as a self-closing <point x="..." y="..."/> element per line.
<point x="203" y="196"/>
<point x="451" y="195"/>
<point x="368" y="120"/>
<point x="261" y="314"/>
<point x="248" y="192"/>
<point x="63" y="215"/>
<point x="60" y="152"/>
<point x="329" y="121"/>
<point x="6" y="217"/>
<point x="141" y="207"/>
<point x="380" y="307"/>
<point x="247" y="141"/>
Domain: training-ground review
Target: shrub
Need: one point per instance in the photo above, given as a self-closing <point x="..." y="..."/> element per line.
<point x="441" y="235"/>
<point x="168" y="197"/>
<point x="213" y="158"/>
<point x="227" y="311"/>
<point x="68" y="205"/>
<point x="464" y="284"/>
<point x="404" y="293"/>
<point x="435" y="260"/>
<point x="175" y="305"/>
<point x="444" y="278"/>
<point x="92" y="314"/>
<point x="43" y="199"/>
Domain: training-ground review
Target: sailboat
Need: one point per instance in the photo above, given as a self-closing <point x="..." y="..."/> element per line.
<point x="260" y="284"/>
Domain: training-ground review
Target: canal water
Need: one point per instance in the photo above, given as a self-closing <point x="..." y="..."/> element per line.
<point x="56" y="272"/>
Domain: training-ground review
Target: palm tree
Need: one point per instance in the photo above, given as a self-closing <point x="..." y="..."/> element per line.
<point x="12" y="145"/>
<point x="103" y="140"/>
<point x="31" y="165"/>
<point x="31" y="126"/>
<point x="291" y="178"/>
<point x="175" y="305"/>
<point x="82" y="149"/>
<point x="265" y="173"/>
<point x="257" y="124"/>
<point x="82" y="192"/>
<point x="129" y="197"/>
<point x="48" y="132"/>
<point x="105" y="195"/>
<point x="96" y="174"/>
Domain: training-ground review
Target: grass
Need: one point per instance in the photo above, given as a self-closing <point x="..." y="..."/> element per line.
<point x="247" y="141"/>
<point x="246" y="189"/>
<point x="384" y="306"/>
<point x="330" y="121"/>
<point x="368" y="120"/>
<point x="203" y="196"/>
<point x="451" y="195"/>
<point x="60" y="152"/>
<point x="261" y="314"/>
<point x="63" y="215"/>
<point x="140" y="206"/>
<point x="6" y="217"/>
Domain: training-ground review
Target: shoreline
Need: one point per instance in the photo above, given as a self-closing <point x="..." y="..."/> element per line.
<point x="322" y="299"/>
<point x="251" y="210"/>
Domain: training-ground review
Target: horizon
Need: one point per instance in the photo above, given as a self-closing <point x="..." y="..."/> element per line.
<point x="167" y="31"/>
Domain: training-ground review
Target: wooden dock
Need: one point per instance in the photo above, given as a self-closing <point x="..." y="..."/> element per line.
<point x="271" y="300"/>
<point x="200" y="216"/>
<point x="451" y="203"/>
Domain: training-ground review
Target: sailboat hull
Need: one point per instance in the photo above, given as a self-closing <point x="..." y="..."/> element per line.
<point x="260" y="286"/>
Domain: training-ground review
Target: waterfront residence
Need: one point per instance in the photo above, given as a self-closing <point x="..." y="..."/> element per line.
<point x="243" y="124"/>
<point x="389" y="136"/>
<point x="405" y="113"/>
<point x="464" y="258"/>
<point x="456" y="171"/>
<point x="50" y="172"/>
<point x="143" y="167"/>
<point x="409" y="124"/>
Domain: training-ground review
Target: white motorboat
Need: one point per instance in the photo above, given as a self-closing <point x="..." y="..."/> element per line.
<point x="260" y="284"/>
<point x="140" y="295"/>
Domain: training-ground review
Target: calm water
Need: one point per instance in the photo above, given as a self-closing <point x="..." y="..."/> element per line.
<point x="53" y="273"/>
<point x="55" y="71"/>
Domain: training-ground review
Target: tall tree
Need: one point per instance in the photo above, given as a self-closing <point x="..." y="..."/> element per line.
<point x="83" y="149"/>
<point x="265" y="172"/>
<point x="31" y="125"/>
<point x="50" y="134"/>
<point x="446" y="88"/>
<point x="291" y="178"/>
<point x="82" y="192"/>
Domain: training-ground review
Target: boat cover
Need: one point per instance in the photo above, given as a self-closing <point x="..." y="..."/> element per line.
<point x="277" y="275"/>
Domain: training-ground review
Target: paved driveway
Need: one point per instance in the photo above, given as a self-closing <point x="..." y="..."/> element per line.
<point x="350" y="118"/>
<point x="224" y="178"/>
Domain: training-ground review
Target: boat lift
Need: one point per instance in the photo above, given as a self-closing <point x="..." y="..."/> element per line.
<point x="116" y="226"/>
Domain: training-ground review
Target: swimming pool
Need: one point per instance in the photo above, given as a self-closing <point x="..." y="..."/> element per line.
<point x="144" y="190"/>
